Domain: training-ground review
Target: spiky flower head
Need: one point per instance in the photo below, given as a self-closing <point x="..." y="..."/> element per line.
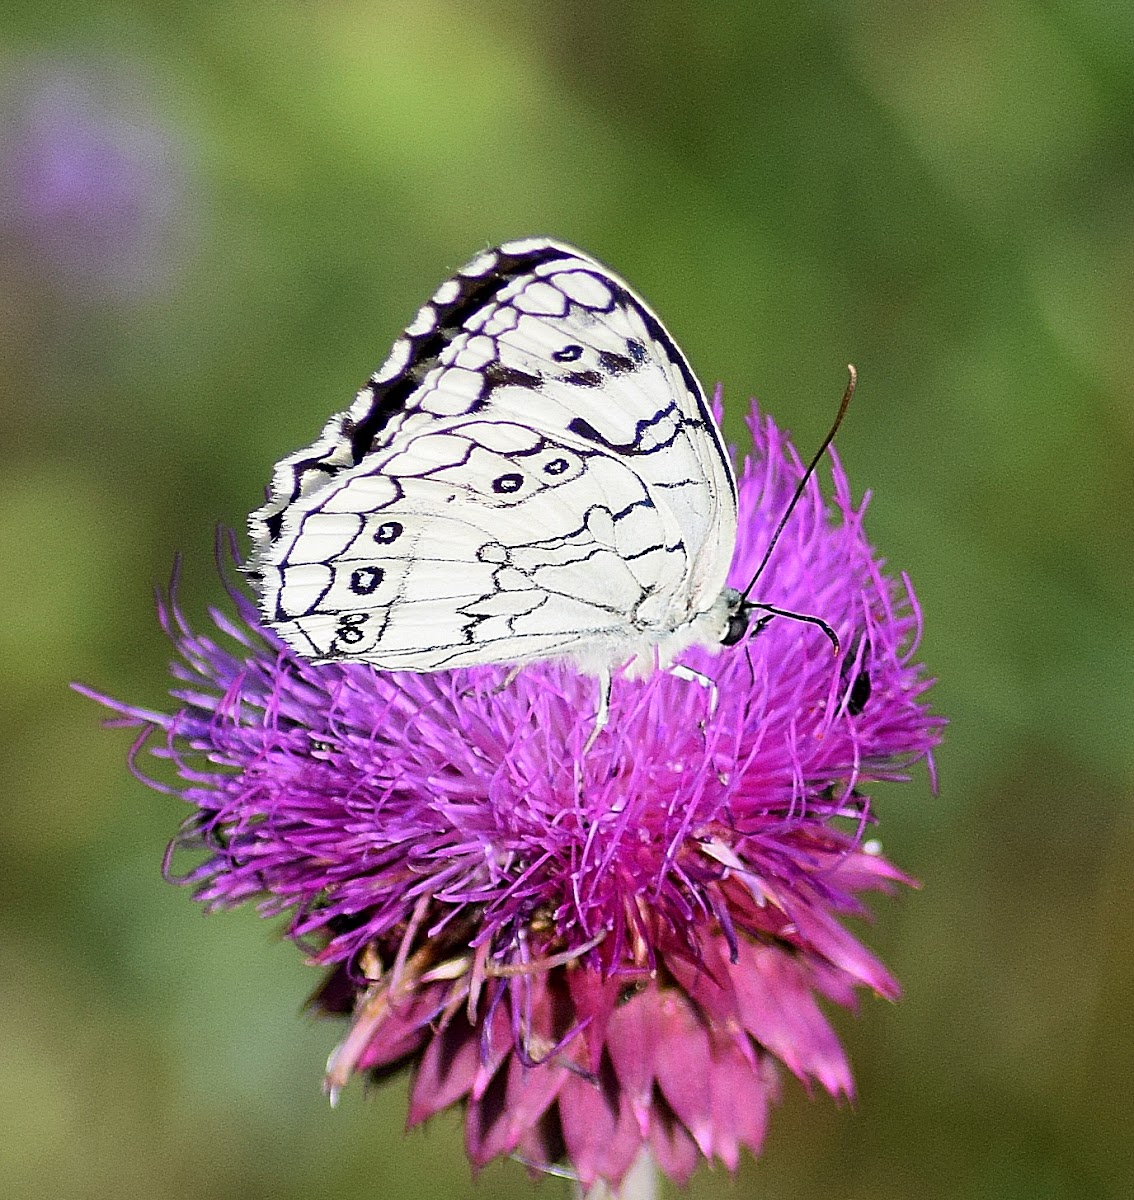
<point x="591" y="949"/>
<point x="92" y="180"/>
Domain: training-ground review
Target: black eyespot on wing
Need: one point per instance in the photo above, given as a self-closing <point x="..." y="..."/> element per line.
<point x="350" y="629"/>
<point x="556" y="467"/>
<point x="387" y="532"/>
<point x="504" y="484"/>
<point x="364" y="581"/>
<point x="572" y="352"/>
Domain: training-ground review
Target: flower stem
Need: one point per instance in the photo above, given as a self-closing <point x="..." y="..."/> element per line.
<point x="639" y="1183"/>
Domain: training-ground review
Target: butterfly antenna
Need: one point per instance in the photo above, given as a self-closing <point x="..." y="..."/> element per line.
<point x="843" y="406"/>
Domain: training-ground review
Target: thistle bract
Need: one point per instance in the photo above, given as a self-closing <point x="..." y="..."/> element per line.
<point x="592" y="949"/>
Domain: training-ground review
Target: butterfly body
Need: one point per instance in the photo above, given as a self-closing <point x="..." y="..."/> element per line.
<point x="534" y="473"/>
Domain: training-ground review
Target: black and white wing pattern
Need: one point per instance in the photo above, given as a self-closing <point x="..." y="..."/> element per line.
<point x="533" y="473"/>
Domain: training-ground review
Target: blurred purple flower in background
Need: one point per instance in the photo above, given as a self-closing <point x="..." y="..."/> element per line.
<point x="92" y="182"/>
<point x="593" y="953"/>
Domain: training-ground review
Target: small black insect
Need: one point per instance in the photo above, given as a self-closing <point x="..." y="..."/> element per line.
<point x="859" y="693"/>
<point x="860" y="686"/>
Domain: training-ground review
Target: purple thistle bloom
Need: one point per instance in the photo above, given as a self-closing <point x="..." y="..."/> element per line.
<point x="592" y="953"/>
<point x="91" y="182"/>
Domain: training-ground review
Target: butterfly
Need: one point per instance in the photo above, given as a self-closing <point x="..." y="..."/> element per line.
<point x="534" y="473"/>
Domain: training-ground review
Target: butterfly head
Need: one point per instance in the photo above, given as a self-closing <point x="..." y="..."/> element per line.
<point x="738" y="610"/>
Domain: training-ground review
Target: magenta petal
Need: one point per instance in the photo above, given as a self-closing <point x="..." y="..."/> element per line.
<point x="597" y="998"/>
<point x="541" y="1147"/>
<point x="778" y="1009"/>
<point x="527" y="1094"/>
<point x="600" y="1133"/>
<point x="709" y="983"/>
<point x="683" y="1055"/>
<point x="493" y="1052"/>
<point x="828" y="938"/>
<point x="831" y="983"/>
<point x="480" y="1116"/>
<point x="860" y="871"/>
<point x="741" y="1098"/>
<point x="402" y="1030"/>
<point x="446" y="1070"/>
<point x="400" y="1043"/>
<point x="518" y="1096"/>
<point x="634" y="1034"/>
<point x="674" y="1151"/>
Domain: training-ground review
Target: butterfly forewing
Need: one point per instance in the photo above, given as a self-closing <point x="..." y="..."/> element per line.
<point x="534" y="472"/>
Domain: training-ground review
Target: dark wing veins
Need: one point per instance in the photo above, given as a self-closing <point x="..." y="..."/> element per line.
<point x="584" y="429"/>
<point x="474" y="292"/>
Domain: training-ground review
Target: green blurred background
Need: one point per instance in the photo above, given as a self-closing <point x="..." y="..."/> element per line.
<point x="214" y="218"/>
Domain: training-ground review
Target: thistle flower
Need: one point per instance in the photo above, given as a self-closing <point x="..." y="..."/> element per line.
<point x="91" y="181"/>
<point x="592" y="950"/>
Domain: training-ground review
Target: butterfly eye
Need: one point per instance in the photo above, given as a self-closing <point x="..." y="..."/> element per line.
<point x="737" y="626"/>
<point x="387" y="532"/>
<point x="508" y="483"/>
<point x="570" y="353"/>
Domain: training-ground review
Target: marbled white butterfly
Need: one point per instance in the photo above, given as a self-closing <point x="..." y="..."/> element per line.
<point x="533" y="473"/>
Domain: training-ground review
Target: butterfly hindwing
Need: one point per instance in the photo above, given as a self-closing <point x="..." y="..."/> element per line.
<point x="533" y="472"/>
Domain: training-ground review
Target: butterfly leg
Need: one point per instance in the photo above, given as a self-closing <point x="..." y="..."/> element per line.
<point x="602" y="716"/>
<point x="502" y="686"/>
<point x="710" y="685"/>
<point x="509" y="679"/>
